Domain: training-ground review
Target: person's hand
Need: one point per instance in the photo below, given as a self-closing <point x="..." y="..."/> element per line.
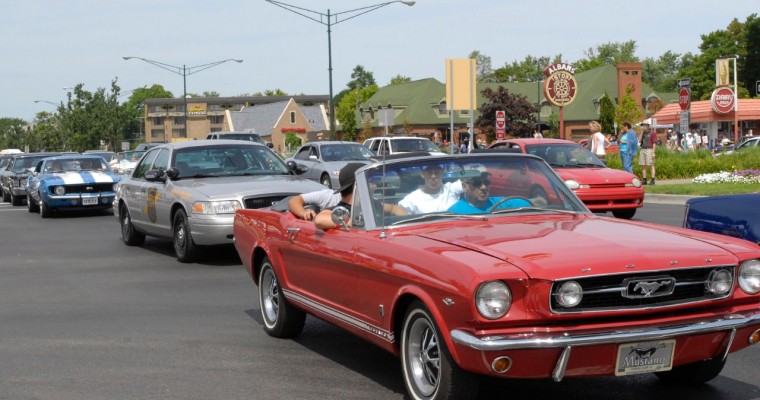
<point x="308" y="215"/>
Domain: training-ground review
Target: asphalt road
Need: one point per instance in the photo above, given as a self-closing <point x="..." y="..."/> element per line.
<point x="82" y="316"/>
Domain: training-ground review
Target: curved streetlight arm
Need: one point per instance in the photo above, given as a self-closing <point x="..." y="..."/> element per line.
<point x="168" y="67"/>
<point x="325" y="19"/>
<point x="199" y="68"/>
<point x="46" y="101"/>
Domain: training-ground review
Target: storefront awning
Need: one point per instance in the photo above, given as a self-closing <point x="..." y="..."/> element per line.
<point x="701" y="111"/>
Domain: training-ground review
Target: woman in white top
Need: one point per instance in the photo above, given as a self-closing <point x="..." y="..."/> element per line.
<point x="597" y="140"/>
<point x="434" y="196"/>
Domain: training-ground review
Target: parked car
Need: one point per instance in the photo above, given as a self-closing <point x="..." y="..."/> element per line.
<point x="107" y="155"/>
<point x="746" y="143"/>
<point x="389" y="145"/>
<point x="601" y="188"/>
<point x="249" y="136"/>
<point x="71" y="182"/>
<point x="13" y="177"/>
<point x="543" y="288"/>
<point x="323" y="160"/>
<point x="189" y="191"/>
<point x="4" y="160"/>
<point x="732" y="215"/>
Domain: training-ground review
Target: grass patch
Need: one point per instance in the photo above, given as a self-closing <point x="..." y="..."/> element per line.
<point x="671" y="164"/>
<point x="704" y="189"/>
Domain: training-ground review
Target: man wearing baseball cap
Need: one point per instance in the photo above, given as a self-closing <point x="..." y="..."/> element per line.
<point x="346" y="179"/>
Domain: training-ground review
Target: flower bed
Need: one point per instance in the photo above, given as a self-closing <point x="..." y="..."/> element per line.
<point x="746" y="176"/>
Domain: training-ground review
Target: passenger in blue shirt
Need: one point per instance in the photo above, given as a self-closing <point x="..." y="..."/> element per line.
<point x="476" y="199"/>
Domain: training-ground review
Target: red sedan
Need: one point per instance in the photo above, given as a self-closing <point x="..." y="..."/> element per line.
<point x="500" y="283"/>
<point x="601" y="188"/>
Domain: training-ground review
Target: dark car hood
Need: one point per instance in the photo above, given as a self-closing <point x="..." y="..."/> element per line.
<point x="552" y="247"/>
<point x="247" y="185"/>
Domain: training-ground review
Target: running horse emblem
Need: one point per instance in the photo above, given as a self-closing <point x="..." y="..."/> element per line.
<point x="647" y="288"/>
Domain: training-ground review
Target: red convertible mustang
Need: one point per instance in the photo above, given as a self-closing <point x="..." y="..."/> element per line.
<point x="512" y="281"/>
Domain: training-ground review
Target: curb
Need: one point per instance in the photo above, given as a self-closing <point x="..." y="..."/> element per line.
<point x="667" y="198"/>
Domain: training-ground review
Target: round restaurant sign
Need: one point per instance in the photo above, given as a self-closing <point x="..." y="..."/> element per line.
<point x="560" y="87"/>
<point x="722" y="100"/>
<point x="684" y="99"/>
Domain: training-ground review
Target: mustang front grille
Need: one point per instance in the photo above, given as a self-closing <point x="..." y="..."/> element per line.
<point x="264" y="201"/>
<point x="642" y="290"/>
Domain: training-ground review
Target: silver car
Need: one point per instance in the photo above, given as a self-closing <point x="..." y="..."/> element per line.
<point x="189" y="191"/>
<point x="323" y="160"/>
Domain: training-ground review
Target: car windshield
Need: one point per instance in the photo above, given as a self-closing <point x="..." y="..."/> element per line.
<point x="435" y="188"/>
<point x="227" y="160"/>
<point x="90" y="164"/>
<point x="564" y="155"/>
<point x="22" y="164"/>
<point x="345" y="152"/>
<point x="413" y="145"/>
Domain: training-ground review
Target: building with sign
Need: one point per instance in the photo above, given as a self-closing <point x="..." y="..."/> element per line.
<point x="708" y="121"/>
<point x="165" y="118"/>
<point x="420" y="106"/>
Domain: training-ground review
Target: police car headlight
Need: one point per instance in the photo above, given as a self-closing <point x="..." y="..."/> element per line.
<point x="216" y="207"/>
<point x="569" y="294"/>
<point x="749" y="276"/>
<point x="493" y="299"/>
<point x="59" y="190"/>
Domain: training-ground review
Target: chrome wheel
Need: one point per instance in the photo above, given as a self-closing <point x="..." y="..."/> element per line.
<point x="270" y="301"/>
<point x="424" y="356"/>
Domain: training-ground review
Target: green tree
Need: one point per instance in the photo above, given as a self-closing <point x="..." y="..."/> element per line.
<point x="211" y="93"/>
<point x="483" y="69"/>
<point x="12" y="133"/>
<point x="529" y="69"/>
<point x="292" y="141"/>
<point x="628" y="109"/>
<point x="608" y="53"/>
<point x="750" y="72"/>
<point x="520" y="114"/>
<point x="607" y="114"/>
<point x="361" y="78"/>
<point x="347" y="110"/>
<point x="662" y="73"/>
<point x="399" y="79"/>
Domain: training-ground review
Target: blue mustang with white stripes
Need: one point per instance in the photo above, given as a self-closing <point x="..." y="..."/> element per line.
<point x="71" y="182"/>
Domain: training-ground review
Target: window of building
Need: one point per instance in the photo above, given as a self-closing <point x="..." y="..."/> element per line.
<point x="464" y="113"/>
<point x="216" y="130"/>
<point x="292" y="117"/>
<point x="157" y="135"/>
<point x="442" y="110"/>
<point x="178" y="132"/>
<point x="158" y="120"/>
<point x="179" y="120"/>
<point x="180" y="108"/>
<point x="217" y="119"/>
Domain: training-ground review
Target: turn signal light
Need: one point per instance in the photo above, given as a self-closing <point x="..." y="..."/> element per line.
<point x="501" y="364"/>
<point x="754" y="338"/>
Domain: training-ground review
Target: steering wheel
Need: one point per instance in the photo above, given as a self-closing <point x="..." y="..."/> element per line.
<point x="506" y="199"/>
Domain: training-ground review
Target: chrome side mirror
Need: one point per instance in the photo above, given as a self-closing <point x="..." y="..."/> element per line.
<point x="341" y="216"/>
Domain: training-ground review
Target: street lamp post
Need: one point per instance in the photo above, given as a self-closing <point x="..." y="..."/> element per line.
<point x="46" y="101"/>
<point x="329" y="20"/>
<point x="184" y="72"/>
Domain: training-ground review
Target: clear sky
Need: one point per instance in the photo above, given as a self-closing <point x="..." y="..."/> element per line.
<point x="51" y="44"/>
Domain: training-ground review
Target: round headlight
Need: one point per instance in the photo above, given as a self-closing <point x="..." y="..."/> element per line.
<point x="569" y="294"/>
<point x="749" y="276"/>
<point x="60" y="190"/>
<point x="572" y="184"/>
<point x="493" y="299"/>
<point x="636" y="182"/>
<point x="719" y="281"/>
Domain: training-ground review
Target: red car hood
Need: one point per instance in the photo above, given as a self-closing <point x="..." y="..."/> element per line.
<point x="557" y="247"/>
<point x="595" y="176"/>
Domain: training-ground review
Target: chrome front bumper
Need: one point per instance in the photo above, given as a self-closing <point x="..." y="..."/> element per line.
<point x="728" y="323"/>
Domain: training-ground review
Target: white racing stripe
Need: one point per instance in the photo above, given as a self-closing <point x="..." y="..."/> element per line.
<point x="73" y="178"/>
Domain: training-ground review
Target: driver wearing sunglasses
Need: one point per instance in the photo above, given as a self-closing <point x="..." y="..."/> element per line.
<point x="476" y="200"/>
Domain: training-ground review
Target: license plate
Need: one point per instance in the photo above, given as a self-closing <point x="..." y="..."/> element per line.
<point x="639" y="358"/>
<point x="89" y="201"/>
